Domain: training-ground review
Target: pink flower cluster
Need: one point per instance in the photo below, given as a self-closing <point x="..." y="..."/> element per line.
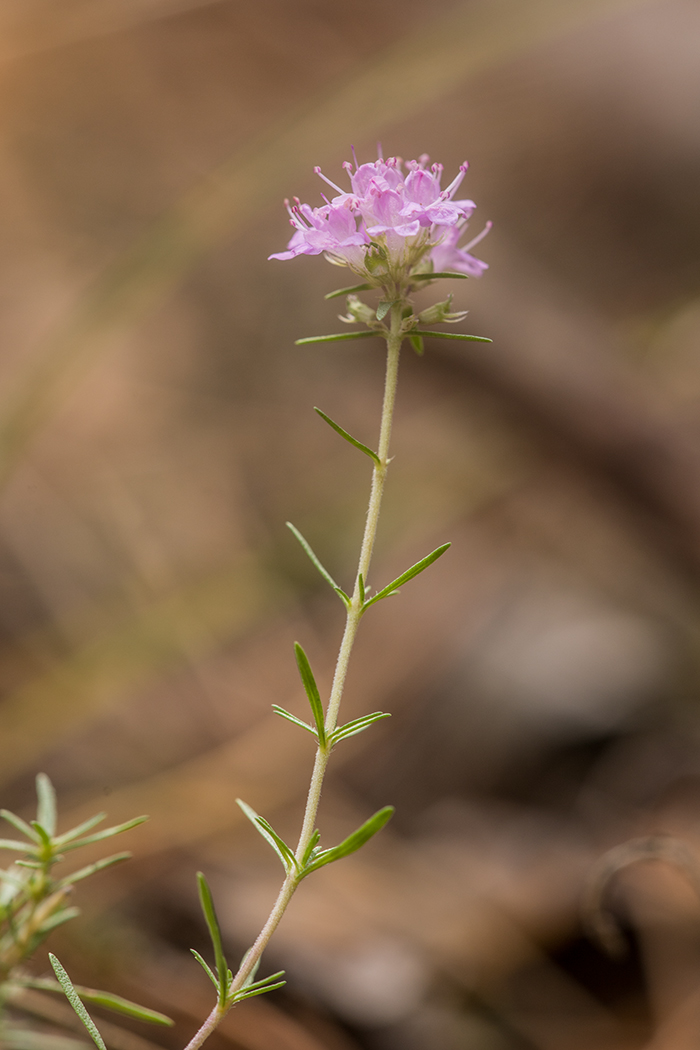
<point x="408" y="216"/>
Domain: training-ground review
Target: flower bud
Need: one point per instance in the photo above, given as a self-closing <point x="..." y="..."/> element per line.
<point x="359" y="312"/>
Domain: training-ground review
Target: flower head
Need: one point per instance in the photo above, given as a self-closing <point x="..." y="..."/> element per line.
<point x="394" y="217"/>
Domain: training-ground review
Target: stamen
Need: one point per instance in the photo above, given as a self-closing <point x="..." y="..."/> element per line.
<point x="458" y="179"/>
<point x="478" y="238"/>
<point x="317" y="171"/>
<point x="354" y="157"/>
<point x="380" y="154"/>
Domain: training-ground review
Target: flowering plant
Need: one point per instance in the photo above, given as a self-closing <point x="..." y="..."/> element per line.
<point x="398" y="231"/>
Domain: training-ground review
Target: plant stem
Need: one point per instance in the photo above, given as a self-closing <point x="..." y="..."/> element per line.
<point x="354" y="615"/>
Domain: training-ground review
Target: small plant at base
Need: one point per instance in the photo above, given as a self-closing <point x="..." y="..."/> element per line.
<point x="33" y="902"/>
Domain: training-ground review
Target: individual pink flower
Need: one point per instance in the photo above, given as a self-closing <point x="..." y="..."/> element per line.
<point x="447" y="256"/>
<point x="331" y="229"/>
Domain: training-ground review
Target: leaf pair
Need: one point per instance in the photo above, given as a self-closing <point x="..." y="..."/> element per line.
<point x="313" y="857"/>
<point x="222" y="979"/>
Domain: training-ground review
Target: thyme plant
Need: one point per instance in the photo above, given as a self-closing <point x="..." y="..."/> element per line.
<point x="398" y="231"/>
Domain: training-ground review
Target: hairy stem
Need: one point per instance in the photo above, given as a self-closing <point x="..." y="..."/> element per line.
<point x="354" y="615"/>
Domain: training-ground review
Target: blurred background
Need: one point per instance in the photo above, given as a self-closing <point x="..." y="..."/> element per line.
<point x="156" y="431"/>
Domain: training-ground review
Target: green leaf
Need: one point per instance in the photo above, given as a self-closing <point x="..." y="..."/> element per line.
<point x="57" y="920"/>
<point x="278" y="844"/>
<point x="46" y="809"/>
<point x="417" y="343"/>
<point x="336" y="337"/>
<point x="106" y="834"/>
<point x="44" y="836"/>
<point x="312" y="692"/>
<point x="383" y="309"/>
<point x="358" y="725"/>
<point x="19" y="847"/>
<point x="348" y="437"/>
<point x="312" y="557"/>
<point x="293" y="718"/>
<point x="92" y="869"/>
<point x="439" y="274"/>
<point x="313" y="843"/>
<point x="352" y="842"/>
<point x="361" y="587"/>
<point x="99" y="998"/>
<point x="207" y="903"/>
<point x="20" y="825"/>
<point x="207" y="969"/>
<point x="73" y="998"/>
<point x="78" y="830"/>
<point x="408" y="575"/>
<point x="457" y="335"/>
<point x="248" y="993"/>
<point x="348" y="291"/>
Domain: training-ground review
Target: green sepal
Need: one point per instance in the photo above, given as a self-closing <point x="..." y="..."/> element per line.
<point x="106" y="999"/>
<point x="352" y="843"/>
<point x="348" y="291"/>
<point x="416" y="341"/>
<point x="46" y="809"/>
<point x="384" y="308"/>
<point x="278" y="844"/>
<point x="20" y="825"/>
<point x="457" y="335"/>
<point x="293" y="718"/>
<point x="358" y="725"/>
<point x="92" y="869"/>
<point x="314" y="560"/>
<point x="99" y="835"/>
<point x="207" y="969"/>
<point x="74" y="999"/>
<point x="438" y="275"/>
<point x="309" y="682"/>
<point x="408" y="575"/>
<point x="207" y="903"/>
<point x="348" y="437"/>
<point x="336" y="337"/>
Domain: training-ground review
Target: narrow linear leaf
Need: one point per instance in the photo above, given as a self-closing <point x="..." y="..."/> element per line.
<point x="266" y="980"/>
<point x="358" y="725"/>
<point x="306" y="546"/>
<point x="361" y="586"/>
<point x="278" y="844"/>
<point x="383" y="309"/>
<point x="100" y="835"/>
<point x="353" y="842"/>
<point x="79" y="829"/>
<point x="43" y="835"/>
<point x="100" y="998"/>
<point x="417" y="343"/>
<point x="347" y="291"/>
<point x="312" y="692"/>
<point x="46" y="809"/>
<point x="293" y="718"/>
<point x="415" y="570"/>
<point x="18" y="847"/>
<point x="348" y="437"/>
<point x="313" y="843"/>
<point x="337" y="337"/>
<point x="92" y="869"/>
<point x="256" y="966"/>
<point x="207" y="969"/>
<point x="457" y="335"/>
<point x="207" y="903"/>
<point x="246" y="993"/>
<point x="20" y="825"/>
<point x="57" y="920"/>
<point x="438" y="275"/>
<point x="73" y="998"/>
